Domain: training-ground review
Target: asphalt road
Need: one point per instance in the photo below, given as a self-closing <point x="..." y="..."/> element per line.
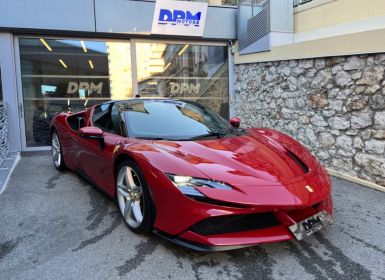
<point x="57" y="226"/>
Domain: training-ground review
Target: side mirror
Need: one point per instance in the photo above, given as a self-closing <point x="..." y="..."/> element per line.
<point x="235" y="122"/>
<point x="91" y="132"/>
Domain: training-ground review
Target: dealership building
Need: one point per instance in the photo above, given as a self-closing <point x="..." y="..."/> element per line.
<point x="69" y="55"/>
<point x="307" y="68"/>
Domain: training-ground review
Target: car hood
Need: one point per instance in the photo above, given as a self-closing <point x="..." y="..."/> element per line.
<point x="264" y="167"/>
<point x="260" y="157"/>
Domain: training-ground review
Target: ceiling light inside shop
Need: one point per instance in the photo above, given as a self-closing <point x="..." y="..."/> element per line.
<point x="183" y="50"/>
<point x="168" y="65"/>
<point x="91" y="64"/>
<point x="83" y="46"/>
<point x="62" y="63"/>
<point x="152" y="83"/>
<point x="45" y="44"/>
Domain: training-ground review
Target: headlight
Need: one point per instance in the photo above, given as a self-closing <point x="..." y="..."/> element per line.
<point x="188" y="185"/>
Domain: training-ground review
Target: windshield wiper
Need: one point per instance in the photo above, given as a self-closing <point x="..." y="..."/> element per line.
<point x="153" y="138"/>
<point x="217" y="134"/>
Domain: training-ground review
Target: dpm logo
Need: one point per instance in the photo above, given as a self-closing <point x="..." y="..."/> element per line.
<point x="181" y="88"/>
<point x="175" y="17"/>
<point x="74" y="87"/>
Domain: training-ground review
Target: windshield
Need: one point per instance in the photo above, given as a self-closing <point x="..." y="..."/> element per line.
<point x="173" y="120"/>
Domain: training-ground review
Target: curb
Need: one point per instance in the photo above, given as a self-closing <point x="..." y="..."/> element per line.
<point x="355" y="180"/>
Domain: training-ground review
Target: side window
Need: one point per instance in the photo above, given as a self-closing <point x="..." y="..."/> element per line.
<point x="118" y="126"/>
<point x="108" y="118"/>
<point x="102" y="117"/>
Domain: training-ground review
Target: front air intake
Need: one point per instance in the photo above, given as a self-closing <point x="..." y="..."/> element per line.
<point x="234" y="223"/>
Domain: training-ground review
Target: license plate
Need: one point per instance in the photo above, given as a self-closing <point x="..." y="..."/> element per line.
<point x="310" y="225"/>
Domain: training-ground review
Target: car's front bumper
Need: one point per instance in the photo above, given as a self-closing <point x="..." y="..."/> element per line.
<point x="217" y="239"/>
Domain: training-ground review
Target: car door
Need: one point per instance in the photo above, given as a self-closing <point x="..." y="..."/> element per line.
<point x="95" y="158"/>
<point x="70" y="138"/>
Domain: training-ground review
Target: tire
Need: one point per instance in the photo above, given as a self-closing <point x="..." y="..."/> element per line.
<point x="57" y="152"/>
<point x="133" y="197"/>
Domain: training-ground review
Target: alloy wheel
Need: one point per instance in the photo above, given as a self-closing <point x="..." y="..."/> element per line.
<point x="56" y="150"/>
<point x="130" y="196"/>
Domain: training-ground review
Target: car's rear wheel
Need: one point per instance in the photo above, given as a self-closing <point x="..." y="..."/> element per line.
<point x="133" y="197"/>
<point x="57" y="152"/>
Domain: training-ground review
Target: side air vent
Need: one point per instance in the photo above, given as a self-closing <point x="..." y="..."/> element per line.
<point x="298" y="161"/>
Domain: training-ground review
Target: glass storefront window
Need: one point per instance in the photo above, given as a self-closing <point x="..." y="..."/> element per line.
<point x="185" y="71"/>
<point x="69" y="75"/>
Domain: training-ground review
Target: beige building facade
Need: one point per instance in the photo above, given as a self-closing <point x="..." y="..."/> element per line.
<point x="329" y="28"/>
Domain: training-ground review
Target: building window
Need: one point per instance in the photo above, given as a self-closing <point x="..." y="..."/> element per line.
<point x="69" y="75"/>
<point x="184" y="71"/>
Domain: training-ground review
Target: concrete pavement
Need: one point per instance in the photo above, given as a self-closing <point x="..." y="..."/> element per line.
<point x="56" y="226"/>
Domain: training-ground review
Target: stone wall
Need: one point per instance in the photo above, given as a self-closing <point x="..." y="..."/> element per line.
<point x="4" y="143"/>
<point x="335" y="106"/>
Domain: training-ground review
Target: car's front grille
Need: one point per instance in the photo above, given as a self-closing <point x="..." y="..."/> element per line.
<point x="235" y="223"/>
<point x="303" y="213"/>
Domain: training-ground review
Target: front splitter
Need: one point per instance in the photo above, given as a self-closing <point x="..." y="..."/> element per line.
<point x="199" y="247"/>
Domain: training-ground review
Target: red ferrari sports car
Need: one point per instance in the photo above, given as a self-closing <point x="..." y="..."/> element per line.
<point x="181" y="171"/>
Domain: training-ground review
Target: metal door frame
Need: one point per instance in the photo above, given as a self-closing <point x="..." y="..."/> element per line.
<point x="19" y="85"/>
<point x="9" y="84"/>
